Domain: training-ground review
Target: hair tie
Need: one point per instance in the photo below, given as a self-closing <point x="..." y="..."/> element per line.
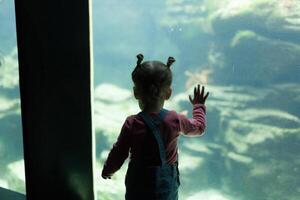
<point x="140" y="58"/>
<point x="171" y="60"/>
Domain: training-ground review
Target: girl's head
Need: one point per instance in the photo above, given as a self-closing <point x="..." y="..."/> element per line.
<point x="152" y="81"/>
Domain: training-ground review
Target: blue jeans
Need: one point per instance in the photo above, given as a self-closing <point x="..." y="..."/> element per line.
<point x="152" y="183"/>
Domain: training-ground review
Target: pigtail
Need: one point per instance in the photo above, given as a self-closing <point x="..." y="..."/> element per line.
<point x="140" y="58"/>
<point x="171" y="60"/>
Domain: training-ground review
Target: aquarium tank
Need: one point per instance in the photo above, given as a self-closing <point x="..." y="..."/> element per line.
<point x="12" y="173"/>
<point x="246" y="53"/>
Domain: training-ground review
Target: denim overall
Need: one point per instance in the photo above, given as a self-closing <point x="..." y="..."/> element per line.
<point x="152" y="182"/>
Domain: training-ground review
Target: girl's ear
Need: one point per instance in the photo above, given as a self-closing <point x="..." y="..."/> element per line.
<point x="135" y="93"/>
<point x="168" y="93"/>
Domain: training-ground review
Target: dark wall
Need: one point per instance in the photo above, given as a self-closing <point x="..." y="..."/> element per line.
<point x="54" y="62"/>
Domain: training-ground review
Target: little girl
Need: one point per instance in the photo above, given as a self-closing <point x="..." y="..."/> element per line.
<point x="151" y="135"/>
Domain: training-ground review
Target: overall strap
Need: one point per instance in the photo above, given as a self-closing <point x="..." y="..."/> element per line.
<point x="153" y="123"/>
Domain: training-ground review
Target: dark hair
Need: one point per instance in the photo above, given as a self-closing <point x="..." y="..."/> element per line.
<point x="151" y="78"/>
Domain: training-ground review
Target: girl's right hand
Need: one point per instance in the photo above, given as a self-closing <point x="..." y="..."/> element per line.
<point x="199" y="97"/>
<point x="106" y="177"/>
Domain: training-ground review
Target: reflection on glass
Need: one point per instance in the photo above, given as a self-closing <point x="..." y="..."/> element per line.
<point x="11" y="141"/>
<point x="246" y="52"/>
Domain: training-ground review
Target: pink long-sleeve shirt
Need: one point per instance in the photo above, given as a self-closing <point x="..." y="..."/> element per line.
<point x="135" y="139"/>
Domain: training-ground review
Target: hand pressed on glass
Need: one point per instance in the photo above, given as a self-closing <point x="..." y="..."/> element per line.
<point x="199" y="97"/>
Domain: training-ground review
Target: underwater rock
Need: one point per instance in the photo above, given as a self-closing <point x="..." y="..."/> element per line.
<point x="249" y="42"/>
<point x="241" y="110"/>
<point x="270" y="18"/>
<point x="111" y="93"/>
<point x="258" y="42"/>
<point x="13" y="176"/>
<point x="11" y="151"/>
<point x="10" y="127"/>
<point x="249" y="138"/>
<point x="1" y="60"/>
<point x="280" y="19"/>
<point x="9" y="73"/>
<point x="210" y="194"/>
<point x="256" y="60"/>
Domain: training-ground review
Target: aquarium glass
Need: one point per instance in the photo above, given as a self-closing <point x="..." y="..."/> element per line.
<point x="246" y="53"/>
<point x="12" y="173"/>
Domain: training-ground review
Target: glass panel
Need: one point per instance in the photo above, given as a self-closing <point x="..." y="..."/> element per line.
<point x="246" y="53"/>
<point x="11" y="141"/>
